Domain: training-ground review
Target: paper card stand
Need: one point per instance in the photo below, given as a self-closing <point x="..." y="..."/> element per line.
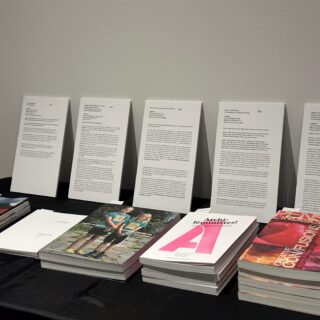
<point x="99" y="149"/>
<point x="308" y="181"/>
<point x="247" y="159"/>
<point x="39" y="147"/>
<point x="167" y="156"/>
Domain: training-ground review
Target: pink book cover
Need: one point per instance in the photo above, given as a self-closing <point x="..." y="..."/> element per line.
<point x="290" y="240"/>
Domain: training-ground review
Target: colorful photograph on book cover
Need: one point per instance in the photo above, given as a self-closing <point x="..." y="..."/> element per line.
<point x="282" y="234"/>
<point x="8" y="203"/>
<point x="112" y="233"/>
<point x="290" y="240"/>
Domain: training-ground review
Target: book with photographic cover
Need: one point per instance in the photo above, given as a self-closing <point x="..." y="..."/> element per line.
<point x="287" y="247"/>
<point x="108" y="242"/>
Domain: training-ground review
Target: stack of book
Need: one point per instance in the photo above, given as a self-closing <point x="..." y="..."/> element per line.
<point x="12" y="209"/>
<point x="108" y="242"/>
<point x="200" y="252"/>
<point x="281" y="267"/>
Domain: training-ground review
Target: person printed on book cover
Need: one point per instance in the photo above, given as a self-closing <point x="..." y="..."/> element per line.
<point x="112" y="221"/>
<point x="120" y="234"/>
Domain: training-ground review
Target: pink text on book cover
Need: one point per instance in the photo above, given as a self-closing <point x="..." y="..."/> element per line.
<point x="209" y="235"/>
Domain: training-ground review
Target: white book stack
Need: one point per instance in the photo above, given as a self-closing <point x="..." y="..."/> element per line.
<point x="200" y="252"/>
<point x="29" y="235"/>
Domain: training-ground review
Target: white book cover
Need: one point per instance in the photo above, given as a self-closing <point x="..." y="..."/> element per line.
<point x="40" y="143"/>
<point x="200" y="238"/>
<point x="32" y="233"/>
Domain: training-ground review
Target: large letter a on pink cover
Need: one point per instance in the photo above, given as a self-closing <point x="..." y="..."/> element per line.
<point x="206" y="244"/>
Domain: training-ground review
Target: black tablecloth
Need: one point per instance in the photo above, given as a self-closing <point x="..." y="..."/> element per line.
<point x="29" y="292"/>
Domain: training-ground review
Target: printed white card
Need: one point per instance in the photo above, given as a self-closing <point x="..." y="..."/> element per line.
<point x="167" y="156"/>
<point x="308" y="181"/>
<point x="99" y="149"/>
<point x="39" y="147"/>
<point x="247" y="159"/>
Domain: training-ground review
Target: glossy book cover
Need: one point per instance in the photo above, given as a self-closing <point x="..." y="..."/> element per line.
<point x="290" y="240"/>
<point x="112" y="233"/>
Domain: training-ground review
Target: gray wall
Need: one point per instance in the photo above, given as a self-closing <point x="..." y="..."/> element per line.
<point x="205" y="50"/>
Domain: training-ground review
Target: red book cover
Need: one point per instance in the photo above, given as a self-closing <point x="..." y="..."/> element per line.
<point x="7" y="204"/>
<point x="290" y="240"/>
